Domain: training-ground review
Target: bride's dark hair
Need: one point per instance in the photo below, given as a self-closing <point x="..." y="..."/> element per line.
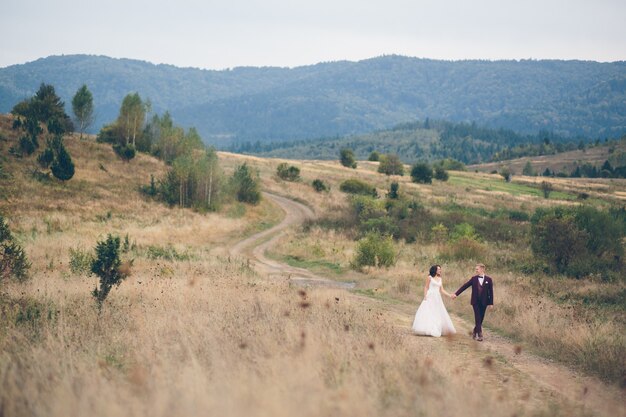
<point x="433" y="270"/>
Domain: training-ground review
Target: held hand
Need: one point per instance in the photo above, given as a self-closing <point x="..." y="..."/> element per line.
<point x="490" y="307"/>
<point x="453" y="296"/>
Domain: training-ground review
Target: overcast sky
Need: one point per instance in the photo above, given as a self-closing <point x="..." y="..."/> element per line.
<point x="229" y="33"/>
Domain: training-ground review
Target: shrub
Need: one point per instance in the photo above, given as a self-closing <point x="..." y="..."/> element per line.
<point x="319" y="185"/>
<point x="106" y="265"/>
<point x="13" y="261"/>
<point x="546" y="188"/>
<point x="464" y="248"/>
<point x="80" y="261"/>
<point x="62" y="166"/>
<point x="391" y="165"/>
<point x="374" y="156"/>
<point x="354" y="186"/>
<point x="346" y="157"/>
<point x="518" y="216"/>
<point x="382" y="225"/>
<point x="578" y="241"/>
<point x="394" y="191"/>
<point x="464" y="231"/>
<point x="126" y="152"/>
<point x="245" y="185"/>
<point x="288" y="173"/>
<point x="422" y="173"/>
<point x="441" y="174"/>
<point x="375" y="250"/>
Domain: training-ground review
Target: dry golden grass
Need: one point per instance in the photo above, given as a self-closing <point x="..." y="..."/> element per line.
<point x="206" y="335"/>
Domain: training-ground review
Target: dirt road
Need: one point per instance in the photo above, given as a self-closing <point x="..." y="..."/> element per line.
<point x="501" y="364"/>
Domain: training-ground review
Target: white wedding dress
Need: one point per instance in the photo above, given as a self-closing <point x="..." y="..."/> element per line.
<point x="432" y="318"/>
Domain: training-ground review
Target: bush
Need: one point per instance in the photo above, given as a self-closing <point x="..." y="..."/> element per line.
<point x="394" y="191"/>
<point x="13" y="261"/>
<point x="62" y="166"/>
<point x="441" y="174"/>
<point x="354" y="186"/>
<point x="80" y="261"/>
<point x="463" y="230"/>
<point x="374" y="156"/>
<point x="578" y="241"/>
<point x="346" y="157"/>
<point x="106" y="265"/>
<point x="319" y="185"/>
<point x="391" y="165"/>
<point x="422" y="173"/>
<point x="375" y="250"/>
<point x="464" y="248"/>
<point x="126" y="152"/>
<point x="288" y="173"/>
<point x="245" y="185"/>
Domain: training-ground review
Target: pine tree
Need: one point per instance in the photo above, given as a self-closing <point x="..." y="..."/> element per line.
<point x="62" y="166"/>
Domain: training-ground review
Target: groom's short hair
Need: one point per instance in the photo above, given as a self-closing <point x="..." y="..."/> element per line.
<point x="481" y="266"/>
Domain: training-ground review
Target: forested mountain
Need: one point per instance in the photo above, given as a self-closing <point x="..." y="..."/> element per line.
<point x="418" y="141"/>
<point x="251" y="104"/>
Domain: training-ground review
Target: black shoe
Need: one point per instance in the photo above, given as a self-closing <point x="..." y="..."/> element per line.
<point x="480" y="338"/>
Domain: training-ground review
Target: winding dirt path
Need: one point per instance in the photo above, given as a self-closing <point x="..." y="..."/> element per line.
<point x="255" y="246"/>
<point x="512" y="372"/>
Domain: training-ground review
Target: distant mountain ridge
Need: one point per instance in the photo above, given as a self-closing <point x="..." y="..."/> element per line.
<point x="268" y="104"/>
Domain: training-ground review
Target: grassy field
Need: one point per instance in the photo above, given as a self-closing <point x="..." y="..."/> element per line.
<point x="193" y="331"/>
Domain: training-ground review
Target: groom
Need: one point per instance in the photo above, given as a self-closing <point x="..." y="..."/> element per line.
<point x="482" y="296"/>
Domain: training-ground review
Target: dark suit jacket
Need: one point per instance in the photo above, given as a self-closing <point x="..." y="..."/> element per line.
<point x="485" y="296"/>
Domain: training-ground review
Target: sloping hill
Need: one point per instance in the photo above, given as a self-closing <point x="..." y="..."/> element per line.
<point x="340" y="98"/>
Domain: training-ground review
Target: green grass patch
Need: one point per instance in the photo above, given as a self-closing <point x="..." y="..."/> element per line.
<point x="512" y="188"/>
<point x="314" y="265"/>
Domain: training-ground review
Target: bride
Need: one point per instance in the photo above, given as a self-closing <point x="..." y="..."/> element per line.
<point x="432" y="318"/>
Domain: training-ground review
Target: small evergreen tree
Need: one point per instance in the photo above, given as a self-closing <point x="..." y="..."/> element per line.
<point x="245" y="185"/>
<point x="528" y="169"/>
<point x="546" y="188"/>
<point x="13" y="261"/>
<point x="394" y="191"/>
<point x="106" y="265"/>
<point x="62" y="167"/>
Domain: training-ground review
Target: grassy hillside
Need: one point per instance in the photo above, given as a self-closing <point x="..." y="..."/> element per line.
<point x="193" y="331"/>
<point x="339" y="98"/>
<point x="564" y="162"/>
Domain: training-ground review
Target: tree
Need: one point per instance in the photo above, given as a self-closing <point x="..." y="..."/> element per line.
<point x="82" y="105"/>
<point x="547" y="188"/>
<point x="246" y="186"/>
<point x="394" y="191"/>
<point x="441" y="174"/>
<point x="346" y="157"/>
<point x="391" y="165"/>
<point x="62" y="166"/>
<point x="506" y="173"/>
<point x="13" y="261"/>
<point x="131" y="117"/>
<point x="56" y="157"/>
<point x="106" y="265"/>
<point x="44" y="106"/>
<point x="374" y="156"/>
<point x="422" y="172"/>
<point x="528" y="169"/>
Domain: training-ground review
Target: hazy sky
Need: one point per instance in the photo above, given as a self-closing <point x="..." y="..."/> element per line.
<point x="229" y="33"/>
